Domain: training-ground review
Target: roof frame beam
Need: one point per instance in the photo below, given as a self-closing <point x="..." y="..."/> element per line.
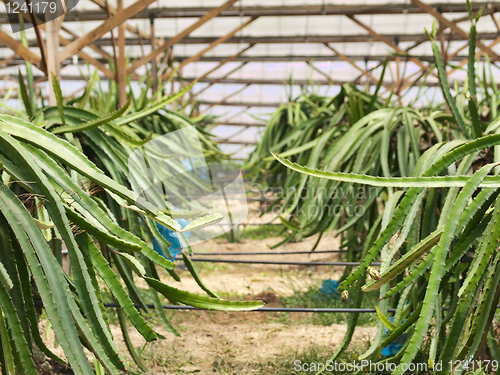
<point x="201" y="21"/>
<point x="99" y="65"/>
<point x="115" y="20"/>
<point x="365" y="73"/>
<point x="21" y="50"/>
<point x="478" y="54"/>
<point x="263" y="59"/>
<point x="212" y="82"/>
<point x="330" y="79"/>
<point x="92" y="46"/>
<point x="209" y="47"/>
<point x="438" y="16"/>
<point x="489" y="11"/>
<point x="224" y="100"/>
<point x="273" y="11"/>
<point x="225" y="61"/>
<point x="106" y="6"/>
<point x="241" y="81"/>
<point x="385" y="40"/>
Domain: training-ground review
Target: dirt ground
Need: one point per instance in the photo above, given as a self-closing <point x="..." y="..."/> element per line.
<point x="200" y="345"/>
<point x="247" y="336"/>
<point x="255" y="278"/>
<point x="205" y="339"/>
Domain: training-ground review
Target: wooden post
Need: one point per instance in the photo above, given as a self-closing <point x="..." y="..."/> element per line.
<point x="172" y="91"/>
<point x="182" y="84"/>
<point x="53" y="65"/>
<point x="41" y="44"/>
<point x="121" y="68"/>
<point x="154" y="62"/>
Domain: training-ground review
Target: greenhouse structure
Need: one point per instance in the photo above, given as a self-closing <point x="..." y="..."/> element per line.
<point x="249" y="187"/>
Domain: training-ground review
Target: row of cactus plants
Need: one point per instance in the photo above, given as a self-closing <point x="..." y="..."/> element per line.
<point x="352" y="132"/>
<point x="433" y="220"/>
<point x="65" y="181"/>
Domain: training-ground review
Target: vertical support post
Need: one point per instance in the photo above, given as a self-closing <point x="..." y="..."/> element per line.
<point x="53" y="65"/>
<point x="121" y="68"/>
<point x="154" y="62"/>
<point x="172" y="91"/>
<point x="399" y="76"/>
<point x="182" y="84"/>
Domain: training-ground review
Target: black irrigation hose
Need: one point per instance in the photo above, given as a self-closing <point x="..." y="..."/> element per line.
<point x="278" y="252"/>
<point x="262" y="309"/>
<point x="282" y="263"/>
<point x="272" y="309"/>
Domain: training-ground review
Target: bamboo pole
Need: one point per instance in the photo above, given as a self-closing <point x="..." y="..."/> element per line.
<point x="154" y="62"/>
<point x="121" y="68"/>
<point x="53" y="64"/>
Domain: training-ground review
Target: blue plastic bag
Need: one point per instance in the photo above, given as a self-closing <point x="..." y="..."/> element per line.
<point x="176" y="247"/>
<point x="394" y="347"/>
<point x="330" y="287"/>
<point x="328" y="290"/>
<point x="169" y="235"/>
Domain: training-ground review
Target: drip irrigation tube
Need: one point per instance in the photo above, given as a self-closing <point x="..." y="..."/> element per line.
<point x="262" y="309"/>
<point x="271" y="309"/>
<point x="280" y="262"/>
<point x="278" y="252"/>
